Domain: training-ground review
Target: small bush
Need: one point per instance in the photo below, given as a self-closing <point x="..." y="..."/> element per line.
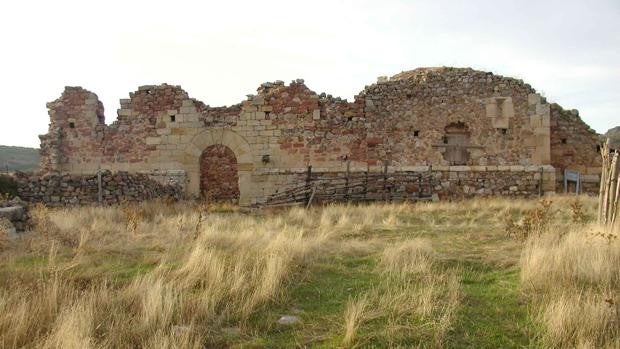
<point x="8" y="186"/>
<point x="535" y="222"/>
<point x="578" y="215"/>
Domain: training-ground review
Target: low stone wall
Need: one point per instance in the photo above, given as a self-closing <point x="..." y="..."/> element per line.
<point x="16" y="213"/>
<point x="72" y="190"/>
<point x="517" y="182"/>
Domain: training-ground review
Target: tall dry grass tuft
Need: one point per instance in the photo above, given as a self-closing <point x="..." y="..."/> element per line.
<point x="581" y="320"/>
<point x="415" y="298"/>
<point x="584" y="257"/>
<point x="574" y="280"/>
<point x="410" y="257"/>
<point x="354" y="315"/>
<point x="73" y="328"/>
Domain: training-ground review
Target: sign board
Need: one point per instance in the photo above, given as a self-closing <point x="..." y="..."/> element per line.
<point x="572" y="176"/>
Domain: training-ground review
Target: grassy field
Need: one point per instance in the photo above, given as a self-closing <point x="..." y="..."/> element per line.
<point x="429" y="275"/>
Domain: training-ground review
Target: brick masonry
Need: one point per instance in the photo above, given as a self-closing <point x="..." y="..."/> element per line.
<point x="427" y="116"/>
<point x="218" y="174"/>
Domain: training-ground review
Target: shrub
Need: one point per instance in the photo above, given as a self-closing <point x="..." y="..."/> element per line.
<point x="535" y="222"/>
<point x="8" y="186"/>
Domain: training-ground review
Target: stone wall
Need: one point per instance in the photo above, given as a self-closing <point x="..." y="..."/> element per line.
<point x="71" y="189"/>
<point x="14" y="215"/>
<point x="574" y="145"/>
<point x="427" y="116"/>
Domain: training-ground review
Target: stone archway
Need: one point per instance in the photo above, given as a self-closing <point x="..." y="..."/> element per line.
<point x="219" y="179"/>
<point x="239" y="147"/>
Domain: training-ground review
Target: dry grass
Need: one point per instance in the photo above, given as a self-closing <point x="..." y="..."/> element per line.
<point x="5" y="225"/>
<point x="181" y="275"/>
<point x="412" y="298"/>
<point x="574" y="279"/>
<point x="203" y="271"/>
<point x="409" y="257"/>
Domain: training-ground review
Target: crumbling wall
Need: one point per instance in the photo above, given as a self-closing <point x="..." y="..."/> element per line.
<point x="408" y="117"/>
<point x="574" y="146"/>
<point x="428" y="116"/>
<point x="76" y="129"/>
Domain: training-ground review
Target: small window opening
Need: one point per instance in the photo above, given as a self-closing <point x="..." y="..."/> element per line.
<point x="445" y="140"/>
<point x="267" y="114"/>
<point x="416" y="133"/>
<point x="598" y="148"/>
<point x="504" y="131"/>
<point x="563" y="140"/>
<point x="350" y="118"/>
<point x="72" y="124"/>
<point x="173" y="118"/>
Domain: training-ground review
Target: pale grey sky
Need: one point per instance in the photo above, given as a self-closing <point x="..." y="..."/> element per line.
<point x="222" y="50"/>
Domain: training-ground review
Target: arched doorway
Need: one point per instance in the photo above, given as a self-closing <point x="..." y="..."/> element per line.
<point x="219" y="177"/>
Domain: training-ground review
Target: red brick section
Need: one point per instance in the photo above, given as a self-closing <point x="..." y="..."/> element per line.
<point x="219" y="180"/>
<point x="78" y="133"/>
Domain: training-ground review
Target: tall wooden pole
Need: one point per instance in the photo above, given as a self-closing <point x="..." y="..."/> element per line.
<point x="603" y="184"/>
<point x="609" y="194"/>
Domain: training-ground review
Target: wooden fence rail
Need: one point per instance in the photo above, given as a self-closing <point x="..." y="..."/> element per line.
<point x="356" y="187"/>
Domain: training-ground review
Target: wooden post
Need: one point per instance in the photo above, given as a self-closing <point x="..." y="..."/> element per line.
<point x="311" y="197"/>
<point x="308" y="182"/>
<point x="431" y="181"/>
<point x="611" y="189"/>
<point x="346" y="183"/>
<point x="565" y="182"/>
<point x="385" y="168"/>
<point x="603" y="184"/>
<point x="541" y="182"/>
<point x="365" y="185"/>
<point x="419" y="185"/>
<point x="616" y="212"/>
<point x="99" y="187"/>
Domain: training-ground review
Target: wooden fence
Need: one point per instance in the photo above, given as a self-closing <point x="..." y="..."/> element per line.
<point x="322" y="187"/>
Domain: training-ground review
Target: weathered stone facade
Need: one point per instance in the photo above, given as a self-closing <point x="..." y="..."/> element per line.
<point x="453" y="119"/>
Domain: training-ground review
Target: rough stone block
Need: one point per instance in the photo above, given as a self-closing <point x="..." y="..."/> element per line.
<point x="153" y="140"/>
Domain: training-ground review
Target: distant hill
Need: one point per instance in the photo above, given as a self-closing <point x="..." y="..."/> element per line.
<point x="18" y="158"/>
<point x="614" y="135"/>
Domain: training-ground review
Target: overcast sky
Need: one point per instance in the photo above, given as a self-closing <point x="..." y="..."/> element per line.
<point x="220" y="51"/>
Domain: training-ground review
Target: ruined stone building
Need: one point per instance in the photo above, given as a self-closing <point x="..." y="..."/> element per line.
<point x="479" y="133"/>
